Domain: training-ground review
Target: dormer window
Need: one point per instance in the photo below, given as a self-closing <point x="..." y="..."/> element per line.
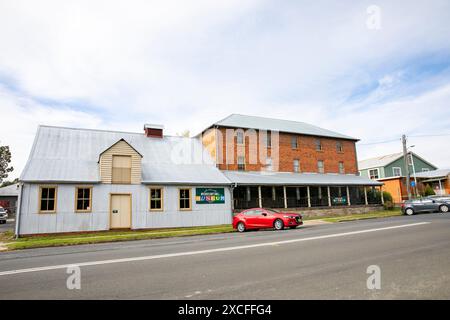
<point x="120" y="164"/>
<point x="121" y="169"/>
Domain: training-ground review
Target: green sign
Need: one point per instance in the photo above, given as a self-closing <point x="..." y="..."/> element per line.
<point x="339" y="200"/>
<point x="209" y="195"/>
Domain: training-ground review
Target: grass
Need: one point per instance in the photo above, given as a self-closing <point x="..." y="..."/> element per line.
<point x="370" y="215"/>
<point x="108" y="236"/>
<point x="112" y="236"/>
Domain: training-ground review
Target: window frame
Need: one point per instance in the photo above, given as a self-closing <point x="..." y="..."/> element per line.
<point x="393" y="171"/>
<point x="240" y="133"/>
<point x="40" y="199"/>
<point x="238" y="164"/>
<point x="378" y="173"/>
<point x="269" y="139"/>
<point x="76" y="210"/>
<point x="294" y="138"/>
<point x="190" y="199"/>
<point x="341" y="164"/>
<point x="298" y="165"/>
<point x="161" y="198"/>
<point x="318" y="144"/>
<point x="112" y="168"/>
<point x="323" y="166"/>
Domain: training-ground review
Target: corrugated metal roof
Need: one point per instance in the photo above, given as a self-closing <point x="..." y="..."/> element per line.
<point x="10" y="191"/>
<point x="379" y="161"/>
<point x="261" y="123"/>
<point x="71" y="155"/>
<point x="288" y="178"/>
<point x="433" y="173"/>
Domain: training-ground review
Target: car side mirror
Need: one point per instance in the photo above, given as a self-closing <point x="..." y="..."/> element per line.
<point x="264" y="214"/>
<point x="434" y="201"/>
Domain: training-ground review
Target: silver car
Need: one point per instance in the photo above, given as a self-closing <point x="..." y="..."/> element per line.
<point x="428" y="204"/>
<point x="3" y="215"/>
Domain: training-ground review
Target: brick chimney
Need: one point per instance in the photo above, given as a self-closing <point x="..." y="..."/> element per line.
<point x="153" y="130"/>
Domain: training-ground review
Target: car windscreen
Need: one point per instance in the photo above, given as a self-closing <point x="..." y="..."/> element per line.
<point x="272" y="211"/>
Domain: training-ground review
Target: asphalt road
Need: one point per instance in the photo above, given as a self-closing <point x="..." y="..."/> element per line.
<point x="9" y="225"/>
<point x="315" y="262"/>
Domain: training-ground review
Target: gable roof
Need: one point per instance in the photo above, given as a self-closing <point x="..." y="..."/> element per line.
<point x="383" y="161"/>
<point x="380" y="161"/>
<point x="69" y="155"/>
<point x="10" y="191"/>
<point x="117" y="143"/>
<point x="261" y="123"/>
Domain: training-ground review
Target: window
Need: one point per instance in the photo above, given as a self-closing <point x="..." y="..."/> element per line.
<point x="296" y="165"/>
<point x="121" y="169"/>
<point x="374" y="174"/>
<point x="240" y="137"/>
<point x="397" y="171"/>
<point x="425" y="169"/>
<point x="294" y="142"/>
<point x="47" y="199"/>
<point x="339" y="147"/>
<point x="156" y="199"/>
<point x="185" y="199"/>
<point x="341" y="167"/>
<point x="269" y="139"/>
<point x="83" y="199"/>
<point x="241" y="163"/>
<point x="269" y="164"/>
<point x="320" y="166"/>
<point x="318" y="145"/>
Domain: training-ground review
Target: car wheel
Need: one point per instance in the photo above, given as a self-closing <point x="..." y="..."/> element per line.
<point x="278" y="224"/>
<point x="443" y="208"/>
<point x="241" y="227"/>
<point x="409" y="211"/>
<point x="2" y="221"/>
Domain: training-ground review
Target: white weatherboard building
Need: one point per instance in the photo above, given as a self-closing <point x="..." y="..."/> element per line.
<point x="89" y="180"/>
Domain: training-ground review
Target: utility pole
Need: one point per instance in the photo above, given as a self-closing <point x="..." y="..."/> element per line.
<point x="405" y="159"/>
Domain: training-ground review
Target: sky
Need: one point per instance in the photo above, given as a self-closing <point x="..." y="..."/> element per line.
<point x="370" y="69"/>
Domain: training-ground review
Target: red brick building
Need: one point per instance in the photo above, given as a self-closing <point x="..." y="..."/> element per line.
<point x="283" y="163"/>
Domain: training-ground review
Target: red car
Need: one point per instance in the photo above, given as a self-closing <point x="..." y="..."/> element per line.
<point x="259" y="218"/>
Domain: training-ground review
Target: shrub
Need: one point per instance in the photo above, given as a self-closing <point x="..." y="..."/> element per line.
<point x="388" y="205"/>
<point x="387" y="196"/>
<point x="428" y="191"/>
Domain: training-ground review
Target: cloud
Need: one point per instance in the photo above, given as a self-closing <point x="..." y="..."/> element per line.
<point x="186" y="64"/>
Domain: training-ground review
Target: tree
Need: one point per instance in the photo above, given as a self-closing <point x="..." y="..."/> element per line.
<point x="5" y="160"/>
<point x="184" y="133"/>
<point x="9" y="182"/>
<point x="428" y="191"/>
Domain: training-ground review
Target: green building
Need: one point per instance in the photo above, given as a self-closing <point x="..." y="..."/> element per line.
<point x="393" y="165"/>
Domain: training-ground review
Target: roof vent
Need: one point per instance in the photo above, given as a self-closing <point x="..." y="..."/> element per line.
<point x="154" y="130"/>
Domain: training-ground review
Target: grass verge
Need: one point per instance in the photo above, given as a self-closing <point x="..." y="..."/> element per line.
<point x="362" y="216"/>
<point x="109" y="236"/>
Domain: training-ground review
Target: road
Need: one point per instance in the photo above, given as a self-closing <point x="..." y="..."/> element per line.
<point x="313" y="262"/>
<point x="8" y="226"/>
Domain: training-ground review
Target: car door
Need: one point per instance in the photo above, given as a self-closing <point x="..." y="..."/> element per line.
<point x="429" y="205"/>
<point x="251" y="218"/>
<point x="266" y="219"/>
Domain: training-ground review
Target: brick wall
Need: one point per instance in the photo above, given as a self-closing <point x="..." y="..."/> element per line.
<point x="306" y="152"/>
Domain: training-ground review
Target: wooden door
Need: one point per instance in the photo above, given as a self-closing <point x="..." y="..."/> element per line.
<point x="120" y="211"/>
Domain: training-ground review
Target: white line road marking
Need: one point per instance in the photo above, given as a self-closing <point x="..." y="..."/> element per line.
<point x="190" y="253"/>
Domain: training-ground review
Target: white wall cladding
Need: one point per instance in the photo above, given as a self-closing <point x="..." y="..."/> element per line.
<point x="67" y="220"/>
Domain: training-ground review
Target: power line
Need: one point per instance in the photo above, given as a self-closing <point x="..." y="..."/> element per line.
<point x="411" y="136"/>
<point x="379" y="142"/>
